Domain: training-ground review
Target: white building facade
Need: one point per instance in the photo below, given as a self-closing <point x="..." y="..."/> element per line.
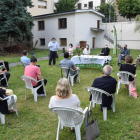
<point x="69" y="27"/>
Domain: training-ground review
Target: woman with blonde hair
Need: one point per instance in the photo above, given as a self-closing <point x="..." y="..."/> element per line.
<point x="65" y="98"/>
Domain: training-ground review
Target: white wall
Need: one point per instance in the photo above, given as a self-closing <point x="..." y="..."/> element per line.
<point x="125" y="35"/>
<point x="51" y="30"/>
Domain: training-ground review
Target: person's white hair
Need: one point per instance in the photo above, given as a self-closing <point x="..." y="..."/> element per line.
<point x="107" y="70"/>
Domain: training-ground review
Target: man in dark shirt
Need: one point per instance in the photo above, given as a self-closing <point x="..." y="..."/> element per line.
<point x="124" y="52"/>
<point x="106" y="83"/>
<point x="105" y="51"/>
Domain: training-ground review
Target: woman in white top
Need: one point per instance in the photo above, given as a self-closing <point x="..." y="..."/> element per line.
<point x="70" y="50"/>
<point x="65" y="98"/>
<point x="86" y="50"/>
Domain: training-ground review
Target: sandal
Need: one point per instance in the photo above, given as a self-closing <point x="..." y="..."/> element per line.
<point x="11" y="111"/>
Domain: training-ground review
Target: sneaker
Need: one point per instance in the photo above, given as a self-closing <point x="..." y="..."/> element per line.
<point x="40" y="95"/>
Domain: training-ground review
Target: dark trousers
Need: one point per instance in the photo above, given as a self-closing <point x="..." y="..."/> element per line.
<point x="6" y="65"/>
<point x="40" y="90"/>
<point x="52" y="56"/>
<point x="3" y="82"/>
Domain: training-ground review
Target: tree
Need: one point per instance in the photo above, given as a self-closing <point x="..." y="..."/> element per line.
<point x="65" y="5"/>
<point x="137" y="27"/>
<point x="104" y="9"/>
<point x="15" y="21"/>
<point x="128" y="8"/>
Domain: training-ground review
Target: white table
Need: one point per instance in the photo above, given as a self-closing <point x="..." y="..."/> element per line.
<point x="84" y="61"/>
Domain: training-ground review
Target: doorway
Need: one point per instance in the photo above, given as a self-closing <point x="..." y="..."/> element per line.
<point x="93" y="42"/>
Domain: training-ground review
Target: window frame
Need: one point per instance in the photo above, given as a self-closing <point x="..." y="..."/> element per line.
<point x="89" y="4"/>
<point x="41" y="42"/>
<point x="61" y="42"/>
<point x="80" y="6"/>
<point x="39" y="25"/>
<point x="62" y="23"/>
<point x="45" y="7"/>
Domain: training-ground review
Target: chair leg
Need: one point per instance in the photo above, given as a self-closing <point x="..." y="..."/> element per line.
<point x="79" y="77"/>
<point x="72" y="83"/>
<point x="44" y="89"/>
<point x="35" y="95"/>
<point x="105" y="113"/>
<point x="58" y="130"/>
<point x="94" y="104"/>
<point x="2" y="118"/>
<point x="113" y="104"/>
<point x="78" y="132"/>
<point x="129" y="89"/>
<point x="90" y="105"/>
<point x="118" y="87"/>
<point x="25" y="92"/>
<point x="14" y="105"/>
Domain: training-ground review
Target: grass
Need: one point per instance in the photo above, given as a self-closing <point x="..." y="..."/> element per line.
<point x="16" y="57"/>
<point x="36" y="122"/>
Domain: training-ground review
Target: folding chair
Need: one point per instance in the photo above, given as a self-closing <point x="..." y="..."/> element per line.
<point x="2" y="116"/>
<point x="97" y="99"/>
<point x="66" y="118"/>
<point x="4" y="77"/>
<point x="28" y="84"/>
<point x="123" y="78"/>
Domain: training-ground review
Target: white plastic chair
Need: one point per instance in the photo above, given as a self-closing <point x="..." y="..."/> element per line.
<point x="4" y="77"/>
<point x="28" y="84"/>
<point x="2" y="116"/>
<point x="97" y="99"/>
<point x="24" y="64"/>
<point x="125" y="80"/>
<point x="71" y="77"/>
<point x="66" y="118"/>
<point x="3" y="65"/>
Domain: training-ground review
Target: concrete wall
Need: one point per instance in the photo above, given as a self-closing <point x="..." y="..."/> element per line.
<point x="40" y="11"/>
<point x="125" y="35"/>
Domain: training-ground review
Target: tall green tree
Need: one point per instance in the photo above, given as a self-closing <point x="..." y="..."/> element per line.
<point x="104" y="9"/>
<point x="128" y="8"/>
<point x="15" y="21"/>
<point x="137" y="27"/>
<point x="65" y="5"/>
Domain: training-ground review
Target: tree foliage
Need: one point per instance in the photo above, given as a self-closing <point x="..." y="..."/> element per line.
<point x="137" y="27"/>
<point x="104" y="9"/>
<point x="15" y="21"/>
<point x="65" y="5"/>
<point x="128" y="8"/>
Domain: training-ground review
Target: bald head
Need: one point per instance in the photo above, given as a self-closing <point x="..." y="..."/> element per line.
<point x="107" y="70"/>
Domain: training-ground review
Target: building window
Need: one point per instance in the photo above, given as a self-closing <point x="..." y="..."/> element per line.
<point x="79" y="6"/>
<point x="42" y="4"/>
<point x="41" y="25"/>
<point x="42" y="41"/>
<point x="102" y="1"/>
<point x="62" y="23"/>
<point x="98" y="23"/>
<point x="91" y="5"/>
<point x="63" y="41"/>
<point x="85" y="5"/>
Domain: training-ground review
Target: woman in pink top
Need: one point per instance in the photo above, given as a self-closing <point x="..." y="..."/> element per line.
<point x="65" y="98"/>
<point x="70" y="50"/>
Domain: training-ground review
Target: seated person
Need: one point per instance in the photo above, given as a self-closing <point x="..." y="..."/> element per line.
<point x="86" y="50"/>
<point x="5" y="63"/>
<point x="69" y="64"/>
<point x="106" y="83"/>
<point x="105" y="51"/>
<point x="3" y="82"/>
<point x="70" y="50"/>
<point x="65" y="98"/>
<point x="33" y="71"/>
<point x="4" y="109"/>
<point x="124" y="52"/>
<point x="129" y="68"/>
<point x="24" y="58"/>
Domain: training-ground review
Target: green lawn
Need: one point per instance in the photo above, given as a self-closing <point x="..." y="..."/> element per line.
<point x="36" y="122"/>
<point x="16" y="57"/>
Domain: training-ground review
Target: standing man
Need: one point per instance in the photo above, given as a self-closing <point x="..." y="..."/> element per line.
<point x="124" y="52"/>
<point x="53" y="45"/>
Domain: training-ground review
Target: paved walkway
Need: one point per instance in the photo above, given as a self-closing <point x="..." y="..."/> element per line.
<point x="38" y="59"/>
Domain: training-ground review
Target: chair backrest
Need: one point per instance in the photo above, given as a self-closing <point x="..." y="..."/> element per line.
<point x="24" y="64"/>
<point x="3" y="65"/>
<point x="124" y="76"/>
<point x="97" y="94"/>
<point x="66" y="71"/>
<point x="66" y="115"/>
<point x="28" y="81"/>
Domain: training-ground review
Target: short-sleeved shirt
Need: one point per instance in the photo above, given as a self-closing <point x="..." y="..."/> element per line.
<point x="67" y="63"/>
<point x="25" y="59"/>
<point x="32" y="71"/>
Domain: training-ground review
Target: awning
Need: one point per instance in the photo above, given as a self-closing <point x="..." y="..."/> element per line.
<point x="96" y="29"/>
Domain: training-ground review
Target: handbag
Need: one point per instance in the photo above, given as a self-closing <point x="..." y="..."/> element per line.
<point x="133" y="91"/>
<point x="92" y="128"/>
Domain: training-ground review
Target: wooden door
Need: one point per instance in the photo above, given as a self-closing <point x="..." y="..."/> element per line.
<point x="98" y="23"/>
<point x="93" y="42"/>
